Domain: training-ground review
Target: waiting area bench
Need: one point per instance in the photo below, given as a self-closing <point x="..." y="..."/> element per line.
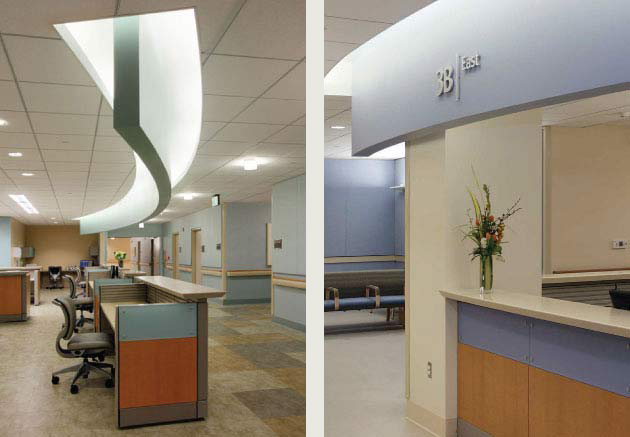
<point x="365" y="290"/>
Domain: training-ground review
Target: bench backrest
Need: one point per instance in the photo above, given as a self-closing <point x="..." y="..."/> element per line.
<point x="353" y="283"/>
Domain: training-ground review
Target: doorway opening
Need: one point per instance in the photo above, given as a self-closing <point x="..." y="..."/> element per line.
<point x="175" y="256"/>
<point x="195" y="239"/>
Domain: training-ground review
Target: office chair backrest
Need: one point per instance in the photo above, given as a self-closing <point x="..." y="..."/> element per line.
<point x="73" y="286"/>
<point x="70" y="319"/>
<point x="620" y="299"/>
<point x="54" y="271"/>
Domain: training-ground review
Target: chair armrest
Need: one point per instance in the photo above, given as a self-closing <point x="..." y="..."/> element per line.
<point x="377" y="293"/>
<point x="335" y="292"/>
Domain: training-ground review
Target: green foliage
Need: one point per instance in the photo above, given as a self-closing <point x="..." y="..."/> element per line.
<point x="120" y="255"/>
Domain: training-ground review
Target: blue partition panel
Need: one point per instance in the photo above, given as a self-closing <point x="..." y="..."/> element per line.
<point x="595" y="358"/>
<point x="494" y="331"/>
<point x="157" y="321"/>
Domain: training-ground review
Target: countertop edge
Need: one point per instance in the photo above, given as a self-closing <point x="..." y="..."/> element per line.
<point x="194" y="295"/>
<point x="537" y="314"/>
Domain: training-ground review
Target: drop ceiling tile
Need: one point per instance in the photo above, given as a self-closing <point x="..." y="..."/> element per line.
<point x="105" y="108"/>
<point x="328" y="113"/>
<point x="17" y="177"/>
<point x="65" y="142"/>
<point x="67" y="99"/>
<point x="213" y="17"/>
<point x="60" y="177"/>
<point x="223" y="108"/>
<point x="224" y="148"/>
<point x="209" y="129"/>
<point x="289" y="135"/>
<point x="5" y="69"/>
<point x="375" y="10"/>
<point x="17" y="140"/>
<point x="65" y="166"/>
<point x="117" y="144"/>
<point x="112" y="157"/>
<point x="336" y="51"/>
<point x="352" y="31"/>
<point x="272" y="111"/>
<point x="268" y="149"/>
<point x="267" y="28"/>
<point x="17" y="122"/>
<point x="12" y="164"/>
<point x="239" y="76"/>
<point x="45" y="60"/>
<point x="9" y="97"/>
<point x="27" y="154"/>
<point x="106" y="126"/>
<point x="291" y="86"/>
<point x="337" y="102"/>
<point x="110" y="169"/>
<point x="245" y="132"/>
<point x="70" y="124"/>
<point x="328" y="65"/>
<point x="67" y="155"/>
<point x="300" y="122"/>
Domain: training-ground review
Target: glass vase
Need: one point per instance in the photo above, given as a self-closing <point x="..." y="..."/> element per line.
<point x="486" y="275"/>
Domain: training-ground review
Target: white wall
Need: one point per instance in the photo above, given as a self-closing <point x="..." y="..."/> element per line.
<point x="507" y="155"/>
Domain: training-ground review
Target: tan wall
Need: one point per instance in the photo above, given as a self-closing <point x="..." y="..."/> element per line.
<point x="588" y="191"/>
<point x="507" y="155"/>
<point x="116" y="244"/>
<point x="18" y="237"/>
<point x="59" y="245"/>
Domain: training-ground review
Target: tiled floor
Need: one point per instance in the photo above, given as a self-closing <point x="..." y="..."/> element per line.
<point x="256" y="379"/>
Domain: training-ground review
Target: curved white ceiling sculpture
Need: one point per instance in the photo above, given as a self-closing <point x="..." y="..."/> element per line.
<point x="148" y="69"/>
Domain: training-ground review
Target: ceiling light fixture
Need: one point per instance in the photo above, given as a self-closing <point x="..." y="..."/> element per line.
<point x="188" y="196"/>
<point x="337" y="127"/>
<point x="112" y="238"/>
<point x="250" y="164"/>
<point x="3" y="122"/>
<point x="24" y="203"/>
<point x="625" y="114"/>
<point x="27" y="174"/>
<point x="15" y="154"/>
<point x="141" y="225"/>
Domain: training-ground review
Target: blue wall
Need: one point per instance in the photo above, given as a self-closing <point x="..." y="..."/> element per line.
<point x="363" y="215"/>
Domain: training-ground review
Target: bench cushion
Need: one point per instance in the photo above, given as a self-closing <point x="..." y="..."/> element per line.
<point x="392" y="301"/>
<point x="329" y="305"/>
<point x="357" y="303"/>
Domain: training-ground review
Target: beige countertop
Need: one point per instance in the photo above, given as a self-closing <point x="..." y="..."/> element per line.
<point x="564" y="278"/>
<point x="21" y="268"/>
<point x="592" y="317"/>
<point x="183" y="289"/>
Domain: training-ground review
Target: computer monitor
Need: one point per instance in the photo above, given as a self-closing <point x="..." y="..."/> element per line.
<point x="85" y="263"/>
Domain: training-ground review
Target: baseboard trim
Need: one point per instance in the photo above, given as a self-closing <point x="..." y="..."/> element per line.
<point x="430" y="422"/>
<point x="289" y="323"/>
<point x="245" y="301"/>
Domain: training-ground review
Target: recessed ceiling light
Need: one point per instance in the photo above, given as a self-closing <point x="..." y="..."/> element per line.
<point x="112" y="238"/>
<point x="27" y="174"/>
<point x="337" y="127"/>
<point x="24" y="203"/>
<point x="188" y="196"/>
<point x="141" y="225"/>
<point x="3" y="122"/>
<point x="53" y="218"/>
<point x="15" y="154"/>
<point x="250" y="164"/>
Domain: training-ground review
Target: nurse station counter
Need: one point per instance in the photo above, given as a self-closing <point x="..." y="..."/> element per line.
<point x="538" y="366"/>
<point x="161" y="335"/>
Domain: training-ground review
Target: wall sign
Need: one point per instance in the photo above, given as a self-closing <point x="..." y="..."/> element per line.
<point x="449" y="78"/>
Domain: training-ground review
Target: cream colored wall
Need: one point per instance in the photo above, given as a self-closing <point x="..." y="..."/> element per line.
<point x="507" y="154"/>
<point x="18" y="238"/>
<point x="589" y="191"/>
<point x="117" y="244"/>
<point x="59" y="245"/>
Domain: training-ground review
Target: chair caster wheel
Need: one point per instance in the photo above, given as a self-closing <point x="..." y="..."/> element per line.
<point x="74" y="389"/>
<point x="109" y="383"/>
<point x="55" y="380"/>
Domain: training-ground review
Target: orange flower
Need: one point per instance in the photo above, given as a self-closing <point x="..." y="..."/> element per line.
<point x="477" y="222"/>
<point x="491" y="218"/>
<point x="487" y="235"/>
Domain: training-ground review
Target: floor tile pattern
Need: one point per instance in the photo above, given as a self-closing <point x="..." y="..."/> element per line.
<point x="256" y="379"/>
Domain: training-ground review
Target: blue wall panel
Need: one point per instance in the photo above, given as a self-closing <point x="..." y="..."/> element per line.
<point x="595" y="358"/>
<point x="146" y="322"/>
<point x="494" y="331"/>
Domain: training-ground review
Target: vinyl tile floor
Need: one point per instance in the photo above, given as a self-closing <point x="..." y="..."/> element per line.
<point x="256" y="380"/>
<point x="365" y="380"/>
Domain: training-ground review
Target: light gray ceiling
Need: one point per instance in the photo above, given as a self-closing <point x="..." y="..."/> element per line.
<point x="253" y="56"/>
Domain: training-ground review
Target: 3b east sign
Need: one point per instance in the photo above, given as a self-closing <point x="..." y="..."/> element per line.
<point x="448" y="77"/>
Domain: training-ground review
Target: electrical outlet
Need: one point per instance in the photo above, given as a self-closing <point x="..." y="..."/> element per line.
<point x="619" y="244"/>
<point x="429" y="369"/>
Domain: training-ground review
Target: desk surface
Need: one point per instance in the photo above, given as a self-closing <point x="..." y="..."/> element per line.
<point x="562" y="278"/>
<point x="183" y="289"/>
<point x="581" y="315"/>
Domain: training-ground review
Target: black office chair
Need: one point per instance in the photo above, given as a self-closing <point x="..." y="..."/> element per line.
<point x="89" y="346"/>
<point x="620" y="299"/>
<point x="82" y="303"/>
<point x="54" y="278"/>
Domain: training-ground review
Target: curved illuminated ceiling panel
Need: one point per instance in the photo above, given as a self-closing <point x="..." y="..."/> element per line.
<point x="148" y="69"/>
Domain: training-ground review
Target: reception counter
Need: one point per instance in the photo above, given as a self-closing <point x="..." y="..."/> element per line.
<point x="536" y="366"/>
<point x="35" y="279"/>
<point x="15" y="302"/>
<point x="586" y="287"/>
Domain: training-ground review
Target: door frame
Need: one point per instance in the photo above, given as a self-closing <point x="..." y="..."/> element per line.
<point x="195" y="255"/>
<point x="175" y="255"/>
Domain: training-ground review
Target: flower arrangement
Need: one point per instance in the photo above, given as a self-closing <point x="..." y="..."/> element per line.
<point x="120" y="256"/>
<point x="487" y="232"/>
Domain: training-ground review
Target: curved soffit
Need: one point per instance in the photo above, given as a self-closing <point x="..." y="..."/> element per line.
<point x="148" y="69"/>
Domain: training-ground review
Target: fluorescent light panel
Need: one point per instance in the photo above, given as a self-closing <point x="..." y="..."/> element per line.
<point x="24" y="203"/>
<point x="397" y="151"/>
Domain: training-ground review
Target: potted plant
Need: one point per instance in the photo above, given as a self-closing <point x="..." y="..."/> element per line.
<point x="120" y="256"/>
<point x="487" y="232"/>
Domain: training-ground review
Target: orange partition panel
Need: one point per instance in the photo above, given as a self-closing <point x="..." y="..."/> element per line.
<point x="492" y="392"/>
<point x="563" y="407"/>
<point x="157" y="372"/>
<point x="10" y="295"/>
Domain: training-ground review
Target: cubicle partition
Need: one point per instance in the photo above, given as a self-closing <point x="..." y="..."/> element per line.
<point x="15" y="299"/>
<point x="161" y="331"/>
